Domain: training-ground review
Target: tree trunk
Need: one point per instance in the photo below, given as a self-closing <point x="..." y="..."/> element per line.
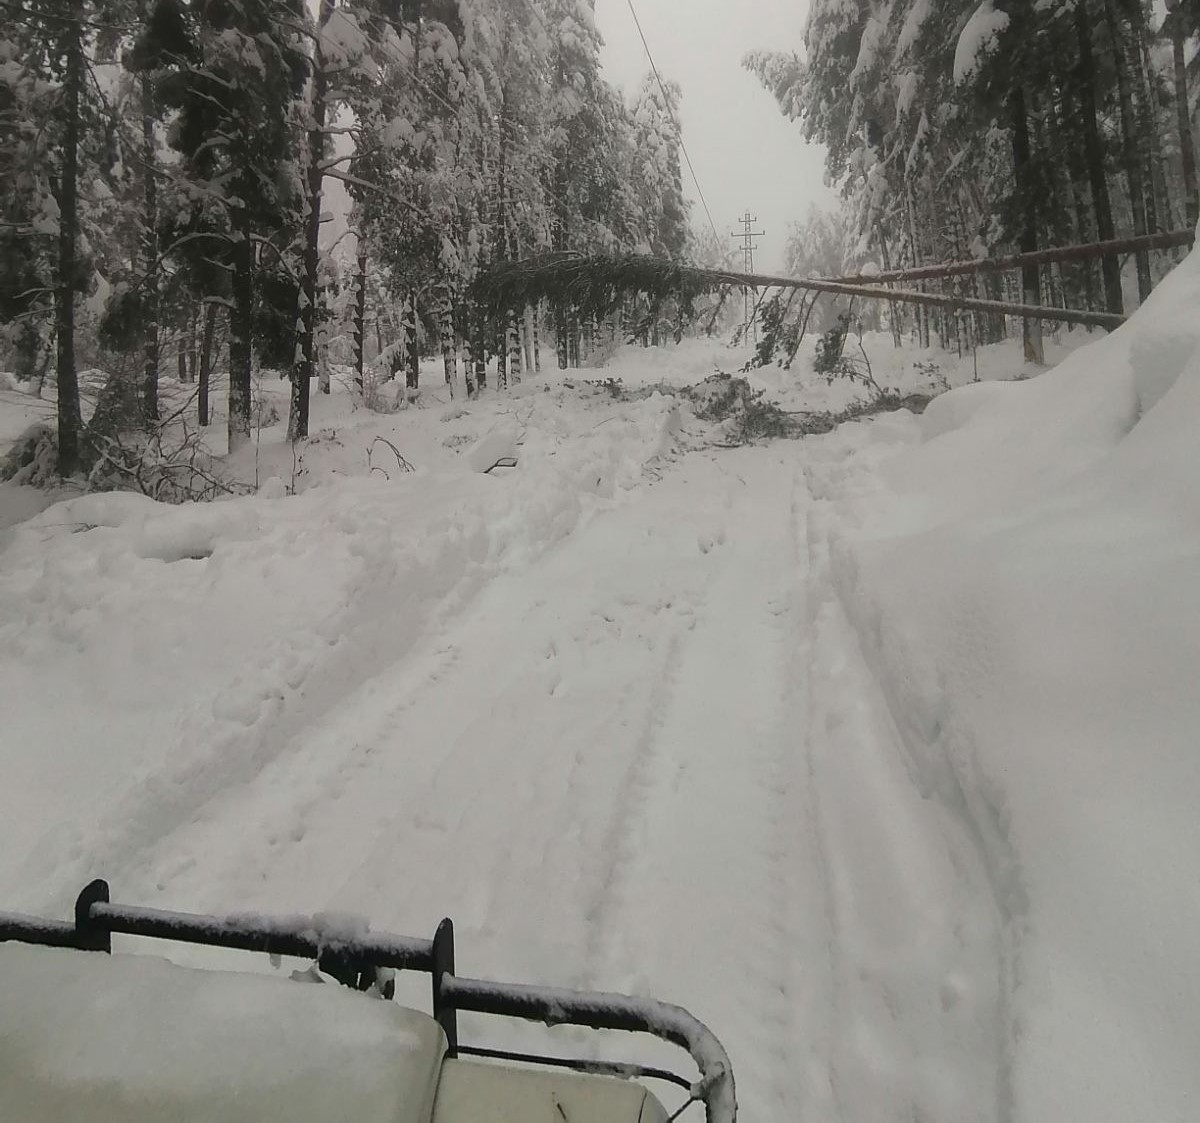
<point x="303" y="367"/>
<point x="1187" y="151"/>
<point x="449" y="344"/>
<point x="360" y="321"/>
<point x="1093" y="153"/>
<point x="1026" y="187"/>
<point x="397" y="359"/>
<point x="893" y="314"/>
<point x="560" y="336"/>
<point x="468" y="368"/>
<point x="504" y="342"/>
<point x="149" y="241"/>
<point x="479" y="353"/>
<point x="1074" y="172"/>
<point x="412" y="351"/>
<point x="1129" y="146"/>
<point x="573" y="342"/>
<point x="206" y="356"/>
<point x="1149" y="149"/>
<point x="466" y="327"/>
<point x="527" y="338"/>
<point x="1160" y="217"/>
<point x="193" y="346"/>
<point x="921" y="314"/>
<point x="514" y="349"/>
<point x="241" y="329"/>
<point x="323" y="380"/>
<point x="27" y="346"/>
<point x="502" y="355"/>
<point x="70" y="419"/>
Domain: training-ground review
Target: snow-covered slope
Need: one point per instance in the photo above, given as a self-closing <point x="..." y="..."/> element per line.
<point x="1024" y="584"/>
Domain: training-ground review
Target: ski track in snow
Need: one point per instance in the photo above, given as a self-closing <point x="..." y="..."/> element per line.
<point x="653" y="761"/>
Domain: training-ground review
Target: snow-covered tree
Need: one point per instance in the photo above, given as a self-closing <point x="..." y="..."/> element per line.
<point x="233" y="82"/>
<point x="657" y="174"/>
<point x="966" y="127"/>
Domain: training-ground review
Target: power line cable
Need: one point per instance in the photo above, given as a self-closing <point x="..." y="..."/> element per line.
<point x="678" y="128"/>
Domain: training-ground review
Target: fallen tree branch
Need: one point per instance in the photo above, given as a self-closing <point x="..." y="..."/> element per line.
<point x="401" y="462"/>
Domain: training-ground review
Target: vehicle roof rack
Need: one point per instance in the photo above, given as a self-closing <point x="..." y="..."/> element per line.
<point x="355" y="960"/>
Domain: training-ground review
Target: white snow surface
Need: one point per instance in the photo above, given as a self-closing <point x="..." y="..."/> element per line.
<point x="875" y="750"/>
<point x="977" y="38"/>
<point x="1023" y="585"/>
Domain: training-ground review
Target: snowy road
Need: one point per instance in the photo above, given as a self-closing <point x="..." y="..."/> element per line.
<point x="875" y="749"/>
<point x="611" y="770"/>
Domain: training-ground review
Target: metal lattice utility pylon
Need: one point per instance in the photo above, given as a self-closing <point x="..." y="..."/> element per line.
<point x="747" y="237"/>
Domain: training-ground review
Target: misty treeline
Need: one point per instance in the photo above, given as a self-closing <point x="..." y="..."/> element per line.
<point x="958" y="129"/>
<point x="166" y="165"/>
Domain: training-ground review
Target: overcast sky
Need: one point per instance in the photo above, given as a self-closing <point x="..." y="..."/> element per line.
<point x="746" y="154"/>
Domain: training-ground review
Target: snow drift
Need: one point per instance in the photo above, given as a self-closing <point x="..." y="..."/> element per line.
<point x="1024" y="584"/>
<point x="152" y="656"/>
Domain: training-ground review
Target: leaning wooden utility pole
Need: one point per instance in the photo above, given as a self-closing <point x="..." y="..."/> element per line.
<point x="1036" y="312"/>
<point x="1169" y="239"/>
<point x="601" y="281"/>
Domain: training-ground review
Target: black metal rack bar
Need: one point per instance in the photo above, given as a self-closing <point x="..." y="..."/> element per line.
<point x="353" y="958"/>
<point x="300" y="937"/>
<point x="598" y="1010"/>
<point x="578" y="1064"/>
<point x="34" y="930"/>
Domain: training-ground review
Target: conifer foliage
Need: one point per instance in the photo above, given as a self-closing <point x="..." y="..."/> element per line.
<point x="959" y="128"/>
<point x="167" y="167"/>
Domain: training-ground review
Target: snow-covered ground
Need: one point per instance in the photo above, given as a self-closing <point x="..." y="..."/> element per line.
<point x="875" y="750"/>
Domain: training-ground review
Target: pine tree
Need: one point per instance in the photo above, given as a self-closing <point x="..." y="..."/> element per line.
<point x="44" y="116"/>
<point x="234" y="82"/>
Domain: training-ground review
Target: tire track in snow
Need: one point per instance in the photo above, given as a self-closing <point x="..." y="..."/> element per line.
<point x="632" y="794"/>
<point x="479" y="783"/>
<point x="705" y="911"/>
<point x="915" y="933"/>
<point x="602" y="771"/>
<point x="636" y="789"/>
<point x="813" y="919"/>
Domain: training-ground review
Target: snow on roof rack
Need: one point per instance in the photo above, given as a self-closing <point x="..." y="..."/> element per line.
<point x="353" y="958"/>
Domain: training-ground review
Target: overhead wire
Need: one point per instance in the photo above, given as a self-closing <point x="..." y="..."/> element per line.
<point x="678" y="128"/>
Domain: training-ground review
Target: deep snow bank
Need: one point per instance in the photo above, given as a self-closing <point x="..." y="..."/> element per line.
<point x="1025" y="584"/>
<point x="152" y="657"/>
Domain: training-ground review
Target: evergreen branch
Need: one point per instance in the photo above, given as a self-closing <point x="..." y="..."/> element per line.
<point x="258" y="239"/>
<point x="34" y="18"/>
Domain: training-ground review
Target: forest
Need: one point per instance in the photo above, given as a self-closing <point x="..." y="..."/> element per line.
<point x="169" y="168"/>
<point x="973" y="130"/>
<point x="165" y="164"/>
